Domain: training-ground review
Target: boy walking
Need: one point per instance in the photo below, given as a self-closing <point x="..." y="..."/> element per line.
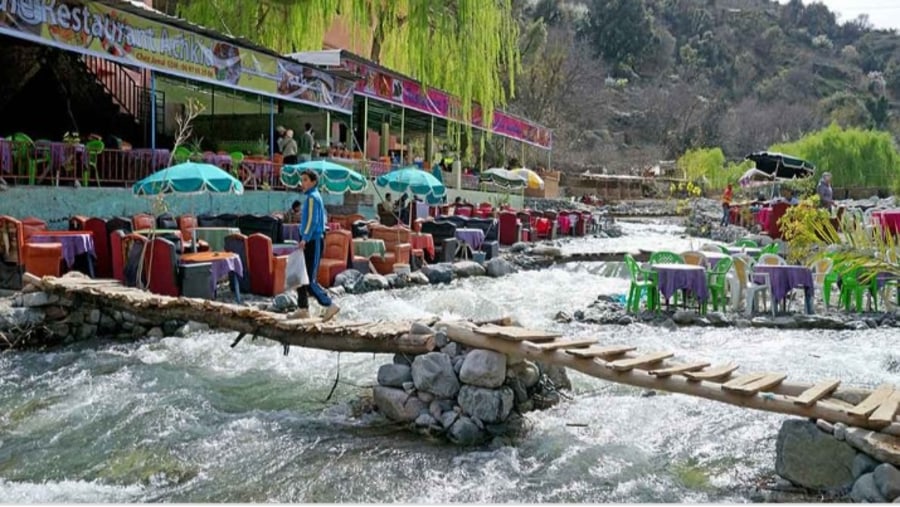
<point x="312" y="242"/>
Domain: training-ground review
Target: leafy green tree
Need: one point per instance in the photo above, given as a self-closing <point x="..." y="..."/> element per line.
<point x="467" y="47"/>
<point x="620" y="31"/>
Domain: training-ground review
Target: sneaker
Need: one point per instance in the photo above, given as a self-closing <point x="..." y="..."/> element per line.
<point x="330" y="312"/>
<point x="302" y="313"/>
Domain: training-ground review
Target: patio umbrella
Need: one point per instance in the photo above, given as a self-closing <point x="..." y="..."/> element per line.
<point x="754" y="177"/>
<point x="781" y="165"/>
<point x="532" y="178"/>
<point x="332" y="177"/>
<point x="413" y="180"/>
<point x="504" y="178"/>
<point x="188" y="178"/>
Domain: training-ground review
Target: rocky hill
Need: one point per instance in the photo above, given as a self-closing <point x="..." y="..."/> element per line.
<point x="626" y="83"/>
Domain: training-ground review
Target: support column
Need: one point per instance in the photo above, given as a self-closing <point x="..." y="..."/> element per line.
<point x="365" y="129"/>
<point x="271" y="127"/>
<point x="152" y="110"/>
<point x="327" y="131"/>
<point x="402" y="134"/>
<point x="385" y="140"/>
<point x="429" y="145"/>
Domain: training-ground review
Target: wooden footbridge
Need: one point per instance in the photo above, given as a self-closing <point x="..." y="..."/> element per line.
<point x="828" y="400"/>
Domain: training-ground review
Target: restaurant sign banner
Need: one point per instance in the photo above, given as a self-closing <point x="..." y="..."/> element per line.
<point x="98" y="29"/>
<point x="390" y="88"/>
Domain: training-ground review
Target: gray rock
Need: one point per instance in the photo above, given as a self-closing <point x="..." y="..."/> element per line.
<point x="520" y="393"/>
<point x="741" y="323"/>
<point x="394" y="375"/>
<point x="418" y="278"/>
<point x="518" y="247"/>
<point x="393" y="280"/>
<point x="483" y="368"/>
<point x="448" y="418"/>
<point x="403" y="359"/>
<point x="465" y="432"/>
<point x="433" y="373"/>
<point x="58" y="329"/>
<point x="488" y="405"/>
<point x="865" y="491"/>
<point x="155" y="332"/>
<point x="556" y="374"/>
<point x="20" y="317"/>
<point x="498" y="266"/>
<point x="441" y="339"/>
<point x="887" y="479"/>
<point x="670" y="325"/>
<point x="451" y="349"/>
<point x="625" y="320"/>
<point x="425" y="397"/>
<point x="863" y="464"/>
<point x="38" y="299"/>
<point x="857" y="325"/>
<point x="684" y="317"/>
<point x="528" y="373"/>
<point x="881" y="446"/>
<point x="438" y="273"/>
<point x="819" y="322"/>
<point x="547" y="251"/>
<point x="396" y="404"/>
<point x="419" y="328"/>
<point x="409" y="387"/>
<point x="718" y="319"/>
<point x="374" y="281"/>
<point x="840" y="433"/>
<point x="811" y="458"/>
<point x="457" y="363"/>
<point x="93" y="316"/>
<point x="425" y="420"/>
<point x="562" y="317"/>
<point x="351" y="280"/>
<point x="87" y="331"/>
<point x="434" y="408"/>
<point x="466" y="269"/>
<point x="284" y="302"/>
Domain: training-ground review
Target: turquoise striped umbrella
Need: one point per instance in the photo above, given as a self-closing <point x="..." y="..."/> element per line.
<point x="332" y="177"/>
<point x="412" y="180"/>
<point x="188" y="178"/>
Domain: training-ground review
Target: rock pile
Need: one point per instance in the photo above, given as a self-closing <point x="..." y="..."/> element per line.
<point x="467" y="395"/>
<point x="836" y="459"/>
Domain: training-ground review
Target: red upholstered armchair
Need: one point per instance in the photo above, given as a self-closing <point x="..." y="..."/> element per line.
<point x="103" y="266"/>
<point x="267" y="271"/>
<point x="117" y="254"/>
<point x="43" y="259"/>
<point x="187" y="224"/>
<point x="778" y="209"/>
<point x="77" y="222"/>
<point x="12" y="240"/>
<point x="32" y="225"/>
<point x="143" y="221"/>
<point x="161" y="267"/>
<point x="396" y="247"/>
<point x="335" y="257"/>
<point x="510" y="228"/>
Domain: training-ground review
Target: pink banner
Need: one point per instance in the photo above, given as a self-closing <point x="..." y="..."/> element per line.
<point x="381" y="85"/>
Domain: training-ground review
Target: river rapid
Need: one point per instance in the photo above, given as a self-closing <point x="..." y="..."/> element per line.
<point x="192" y="420"/>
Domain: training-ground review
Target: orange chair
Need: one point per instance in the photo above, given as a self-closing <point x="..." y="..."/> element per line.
<point x="32" y="225"/>
<point x="103" y="265"/>
<point x="43" y="259"/>
<point x="267" y="271"/>
<point x="187" y="224"/>
<point x="77" y="222"/>
<point x="396" y="245"/>
<point x="117" y="254"/>
<point x="143" y="221"/>
<point x="12" y="240"/>
<point x="335" y="256"/>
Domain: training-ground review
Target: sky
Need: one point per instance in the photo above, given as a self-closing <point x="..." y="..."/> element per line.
<point x="883" y="14"/>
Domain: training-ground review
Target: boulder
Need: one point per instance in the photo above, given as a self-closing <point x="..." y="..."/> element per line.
<point x="425" y="420"/>
<point x="483" y="368"/>
<point x="433" y="373"/>
<point x="350" y="280"/>
<point x="438" y="273"/>
<point x="465" y="432"/>
<point x="417" y="278"/>
<point x="518" y="247"/>
<point x="396" y="404"/>
<point x="685" y="318"/>
<point x="38" y="299"/>
<point x="865" y="491"/>
<point x="466" y="269"/>
<point x="284" y="302"/>
<point x="811" y="458"/>
<point x="887" y="480"/>
<point x="547" y="251"/>
<point x="863" y="464"/>
<point x="498" y="266"/>
<point x="881" y="446"/>
<point x="394" y="375"/>
<point x="374" y="281"/>
<point x="488" y="405"/>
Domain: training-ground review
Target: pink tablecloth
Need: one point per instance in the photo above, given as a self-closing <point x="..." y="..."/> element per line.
<point x="762" y="217"/>
<point x="888" y="219"/>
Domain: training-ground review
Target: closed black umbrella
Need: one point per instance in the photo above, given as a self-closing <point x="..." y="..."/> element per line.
<point x="781" y="165"/>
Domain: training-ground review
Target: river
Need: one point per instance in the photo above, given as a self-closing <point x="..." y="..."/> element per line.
<point x="192" y="420"/>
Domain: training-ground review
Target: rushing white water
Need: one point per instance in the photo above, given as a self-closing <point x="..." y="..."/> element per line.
<point x="191" y="420"/>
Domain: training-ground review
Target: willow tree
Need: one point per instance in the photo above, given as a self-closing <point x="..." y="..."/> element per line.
<point x="466" y="47"/>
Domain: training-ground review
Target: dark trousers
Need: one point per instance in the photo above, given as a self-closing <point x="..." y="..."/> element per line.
<point x="312" y="253"/>
<point x="290" y="159"/>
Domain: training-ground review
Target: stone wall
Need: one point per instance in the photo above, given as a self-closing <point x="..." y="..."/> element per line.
<point x="837" y="460"/>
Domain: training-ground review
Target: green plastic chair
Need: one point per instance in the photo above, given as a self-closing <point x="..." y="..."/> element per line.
<point x="852" y="291"/>
<point x="236" y="159"/>
<point x="641" y="279"/>
<point x="664" y="257"/>
<point x="716" y="283"/>
<point x="746" y="243"/>
<point x="182" y="155"/>
<point x="94" y="148"/>
<point x="23" y="156"/>
<point x="771" y="248"/>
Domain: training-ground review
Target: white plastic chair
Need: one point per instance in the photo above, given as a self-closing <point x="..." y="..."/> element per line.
<point x="772" y="260"/>
<point x="710" y="247"/>
<point x="751" y="288"/>
<point x="695" y="258"/>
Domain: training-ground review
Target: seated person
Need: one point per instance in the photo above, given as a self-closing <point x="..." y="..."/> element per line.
<point x="293" y="215"/>
<point x="758" y="204"/>
<point x="386" y="212"/>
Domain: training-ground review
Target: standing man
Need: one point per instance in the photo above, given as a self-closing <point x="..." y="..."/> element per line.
<point x="307" y="141"/>
<point x="826" y="194"/>
<point x="726" y="204"/>
<point x="312" y="242"/>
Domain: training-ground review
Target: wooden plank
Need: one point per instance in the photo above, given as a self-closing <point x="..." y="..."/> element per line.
<point x="713" y="373"/>
<point x="876" y="398"/>
<point x="560" y="344"/>
<point x="763" y="384"/>
<point x="679" y="368"/>
<point x="743" y="379"/>
<point x="517" y="334"/>
<point x="608" y="351"/>
<point x="817" y="392"/>
<point x="885" y="412"/>
<point x="632" y="363"/>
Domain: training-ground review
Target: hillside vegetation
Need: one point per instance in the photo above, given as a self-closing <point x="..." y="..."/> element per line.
<point x="626" y="83"/>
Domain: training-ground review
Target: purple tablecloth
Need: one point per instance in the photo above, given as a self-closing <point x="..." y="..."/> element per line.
<point x="713" y="258"/>
<point x="290" y="232"/>
<point x="156" y="159"/>
<point x="260" y="169"/>
<point x="6" y="159"/>
<point x="223" y="161"/>
<point x="472" y="237"/>
<point x="673" y="277"/>
<point x="72" y="244"/>
<point x="283" y="248"/>
<point x="60" y="152"/>
<point x="785" y="278"/>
